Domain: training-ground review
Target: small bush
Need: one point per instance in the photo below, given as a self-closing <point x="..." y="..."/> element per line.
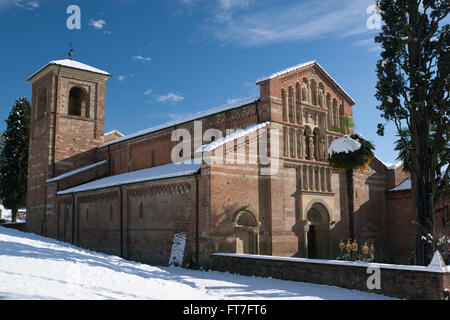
<point x="349" y="251"/>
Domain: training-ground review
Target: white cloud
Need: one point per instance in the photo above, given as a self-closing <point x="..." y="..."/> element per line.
<point x="97" y="24"/>
<point x="149" y="91"/>
<point x="230" y="4"/>
<point x="170" y="97"/>
<point x="266" y="23"/>
<point x="141" y="58"/>
<point x="121" y="78"/>
<point x="369" y="44"/>
<point x="29" y="5"/>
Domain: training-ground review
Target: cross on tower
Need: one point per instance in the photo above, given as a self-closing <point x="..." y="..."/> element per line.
<point x="71" y="51"/>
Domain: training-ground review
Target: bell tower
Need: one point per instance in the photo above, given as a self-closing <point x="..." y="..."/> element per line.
<point x="67" y="123"/>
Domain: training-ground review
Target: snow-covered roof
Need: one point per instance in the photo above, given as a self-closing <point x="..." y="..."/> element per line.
<point x="73" y="172"/>
<point x="72" y="64"/>
<point x="235" y="135"/>
<point x="393" y="166"/>
<point x="405" y="185"/>
<point x="196" y="116"/>
<point x="114" y="131"/>
<point x="343" y="144"/>
<point x="156" y="173"/>
<point x="284" y="71"/>
<point x="6" y="213"/>
<point x="302" y="65"/>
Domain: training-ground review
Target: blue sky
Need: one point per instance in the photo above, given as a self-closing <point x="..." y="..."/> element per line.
<point x="172" y="58"/>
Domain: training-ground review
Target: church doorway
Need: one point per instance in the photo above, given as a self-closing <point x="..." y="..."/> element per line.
<point x="246" y="233"/>
<point x="318" y="233"/>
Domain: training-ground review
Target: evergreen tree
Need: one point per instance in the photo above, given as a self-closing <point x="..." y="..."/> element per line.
<point x="350" y="161"/>
<point x="413" y="88"/>
<point x="14" y="157"/>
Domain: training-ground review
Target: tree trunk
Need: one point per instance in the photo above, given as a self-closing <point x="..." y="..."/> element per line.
<point x="422" y="175"/>
<point x="351" y="206"/>
<point x="422" y="202"/>
<point x="14" y="215"/>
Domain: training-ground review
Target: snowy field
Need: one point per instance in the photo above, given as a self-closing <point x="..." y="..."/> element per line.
<point x="33" y="267"/>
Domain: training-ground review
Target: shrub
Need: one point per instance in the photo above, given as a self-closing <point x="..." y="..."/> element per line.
<point x="349" y="251"/>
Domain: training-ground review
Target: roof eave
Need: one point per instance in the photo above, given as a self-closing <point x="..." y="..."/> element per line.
<point x="308" y="65"/>
<point x="106" y="75"/>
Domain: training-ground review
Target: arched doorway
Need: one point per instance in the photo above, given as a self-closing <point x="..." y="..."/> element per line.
<point x="318" y="233"/>
<point x="246" y="233"/>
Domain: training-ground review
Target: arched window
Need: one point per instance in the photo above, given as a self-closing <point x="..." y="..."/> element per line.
<point x="246" y="219"/>
<point x="291" y="104"/>
<point x="298" y="100"/>
<point x="110" y="213"/>
<point x="246" y="233"/>
<point x="335" y="113"/>
<point x="78" y="102"/>
<point x="87" y="215"/>
<point x="321" y="95"/>
<point x="314" y="92"/>
<point x="284" y="103"/>
<point x="305" y="91"/>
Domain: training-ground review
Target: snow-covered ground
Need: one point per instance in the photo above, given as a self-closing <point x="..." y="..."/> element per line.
<point x="33" y="267"/>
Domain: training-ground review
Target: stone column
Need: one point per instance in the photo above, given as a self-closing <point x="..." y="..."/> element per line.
<point x="286" y="141"/>
<point x="338" y="116"/>
<point x="294" y="106"/>
<point x="306" y="168"/>
<point x="329" y="180"/>
<point x="286" y="107"/>
<point x="299" y="172"/>
<point x="300" y="139"/>
<point x="294" y="142"/>
<point x="311" y="147"/>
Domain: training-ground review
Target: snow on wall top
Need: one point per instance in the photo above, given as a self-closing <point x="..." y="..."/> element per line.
<point x="73" y="172"/>
<point x="72" y="64"/>
<point x="302" y="65"/>
<point x="392" y="166"/>
<point x="405" y="185"/>
<point x="343" y="144"/>
<point x="287" y="70"/>
<point x="156" y="173"/>
<point x="198" y="115"/>
<point x="235" y="135"/>
<point x="431" y="268"/>
<point x="114" y="131"/>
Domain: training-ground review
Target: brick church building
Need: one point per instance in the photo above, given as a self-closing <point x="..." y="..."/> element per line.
<point x="123" y="195"/>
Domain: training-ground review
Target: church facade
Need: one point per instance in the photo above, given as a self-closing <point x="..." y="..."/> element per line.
<point x="124" y="195"/>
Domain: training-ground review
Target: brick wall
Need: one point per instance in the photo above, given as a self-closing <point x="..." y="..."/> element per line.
<point x="407" y="282"/>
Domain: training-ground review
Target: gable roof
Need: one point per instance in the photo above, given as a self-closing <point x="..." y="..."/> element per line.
<point x="231" y="137"/>
<point x="76" y="171"/>
<point x="72" y="64"/>
<point x="196" y="116"/>
<point x="170" y="170"/>
<point x="405" y="185"/>
<point x="304" y="65"/>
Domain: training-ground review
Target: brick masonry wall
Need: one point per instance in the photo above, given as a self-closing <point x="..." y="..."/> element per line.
<point x="400" y="228"/>
<point x="407" y="284"/>
<point x="139" y="226"/>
